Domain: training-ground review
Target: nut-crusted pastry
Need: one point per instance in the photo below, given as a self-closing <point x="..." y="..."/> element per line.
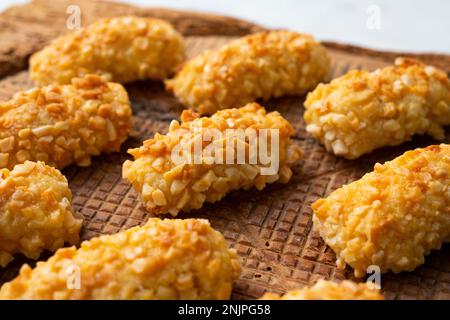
<point x="164" y="259"/>
<point x="263" y="65"/>
<point x="67" y="124"/>
<point x="169" y="186"/>
<point x="363" y="111"/>
<point x="391" y="217"/>
<point x="35" y="211"/>
<point x="328" y="290"/>
<point x="122" y="49"/>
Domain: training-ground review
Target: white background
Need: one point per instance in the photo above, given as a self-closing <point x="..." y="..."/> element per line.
<point x="414" y="25"/>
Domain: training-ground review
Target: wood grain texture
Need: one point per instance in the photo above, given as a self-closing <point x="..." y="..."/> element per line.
<point x="271" y="229"/>
<point x="26" y="28"/>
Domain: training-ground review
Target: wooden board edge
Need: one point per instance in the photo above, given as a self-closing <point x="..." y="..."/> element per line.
<point x="437" y="59"/>
<point x="19" y="41"/>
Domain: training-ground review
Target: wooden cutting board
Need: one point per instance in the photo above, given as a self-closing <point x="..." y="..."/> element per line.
<point x="271" y="229"/>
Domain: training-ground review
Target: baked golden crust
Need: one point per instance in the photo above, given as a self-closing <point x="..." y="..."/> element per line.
<point x="164" y="259"/>
<point x="262" y="65"/>
<point x="122" y="49"/>
<point x="67" y="124"/>
<point x="35" y="211"/>
<point x="363" y="111"/>
<point x="166" y="186"/>
<point x="391" y="217"/>
<point x="328" y="290"/>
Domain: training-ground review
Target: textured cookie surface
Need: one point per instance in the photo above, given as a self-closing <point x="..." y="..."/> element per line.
<point x="271" y="229"/>
<point x="35" y="211"/>
<point x="362" y="111"/>
<point x="64" y="124"/>
<point x="263" y="65"/>
<point x="169" y="185"/>
<point x="391" y="217"/>
<point x="328" y="290"/>
<point x="122" y="49"/>
<point x="164" y="259"/>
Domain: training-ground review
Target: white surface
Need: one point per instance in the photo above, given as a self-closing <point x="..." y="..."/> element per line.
<point x="404" y="25"/>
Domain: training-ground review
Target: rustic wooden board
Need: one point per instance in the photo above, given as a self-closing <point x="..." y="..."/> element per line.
<point x="271" y="229"/>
